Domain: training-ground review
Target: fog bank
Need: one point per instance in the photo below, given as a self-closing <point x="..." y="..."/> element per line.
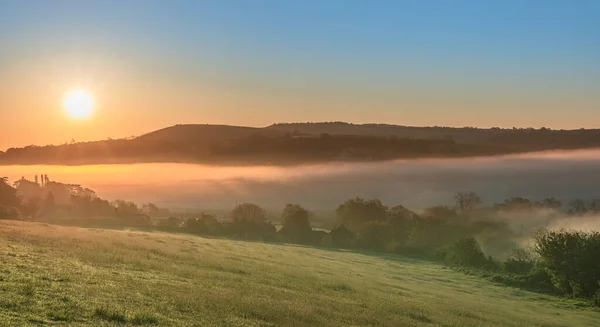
<point x="413" y="183"/>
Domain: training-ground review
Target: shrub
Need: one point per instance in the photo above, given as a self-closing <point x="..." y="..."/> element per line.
<point x="571" y="260"/>
<point x="196" y="226"/>
<point x="9" y="213"/>
<point x="466" y="252"/>
<point x="375" y="236"/>
<point x="520" y="262"/>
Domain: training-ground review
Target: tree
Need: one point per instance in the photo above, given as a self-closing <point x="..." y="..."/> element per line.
<point x="9" y="213"/>
<point x="125" y="208"/>
<point x="440" y="213"/>
<point x="551" y="203"/>
<point x="578" y="207"/>
<point x="8" y="194"/>
<point x="467" y="201"/>
<point x="401" y="221"/>
<point x="296" y="227"/>
<point x="342" y="237"/>
<point x="571" y="260"/>
<point x="248" y="213"/>
<point x="295" y="218"/>
<point x="48" y="206"/>
<point x="354" y="213"/>
<point x="375" y="235"/>
<point x="197" y="226"/>
<point x="595" y="206"/>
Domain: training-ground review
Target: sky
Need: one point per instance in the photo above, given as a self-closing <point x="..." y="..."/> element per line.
<point x="151" y="64"/>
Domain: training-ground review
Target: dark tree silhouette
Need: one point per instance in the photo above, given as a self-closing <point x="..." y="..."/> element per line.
<point x="578" y="207"/>
<point x="401" y="221"/>
<point x="8" y="194"/>
<point x="467" y="201"/>
<point x="248" y="213"/>
<point x="354" y="213"/>
<point x="551" y="203"/>
<point x="295" y="218"/>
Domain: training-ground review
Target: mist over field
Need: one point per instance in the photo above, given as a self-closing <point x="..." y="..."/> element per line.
<point x="413" y="183"/>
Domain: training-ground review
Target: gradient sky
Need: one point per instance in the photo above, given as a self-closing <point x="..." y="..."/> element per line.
<point x="151" y="64"/>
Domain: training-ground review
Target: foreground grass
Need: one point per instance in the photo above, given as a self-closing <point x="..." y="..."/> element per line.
<point x="52" y="275"/>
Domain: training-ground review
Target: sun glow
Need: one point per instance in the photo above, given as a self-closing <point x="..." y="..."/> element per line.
<point x="79" y="103"/>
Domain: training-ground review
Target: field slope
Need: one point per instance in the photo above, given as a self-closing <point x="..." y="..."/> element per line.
<point x="52" y="275"/>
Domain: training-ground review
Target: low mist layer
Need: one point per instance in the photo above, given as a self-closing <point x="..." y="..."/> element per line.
<point x="413" y="183"/>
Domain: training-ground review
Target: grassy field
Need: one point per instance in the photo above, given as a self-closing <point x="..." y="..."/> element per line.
<point x="52" y="275"/>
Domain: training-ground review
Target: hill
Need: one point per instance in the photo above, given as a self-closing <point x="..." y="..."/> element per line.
<point x="521" y="139"/>
<point x="205" y="133"/>
<point x="283" y="144"/>
<point x="94" y="277"/>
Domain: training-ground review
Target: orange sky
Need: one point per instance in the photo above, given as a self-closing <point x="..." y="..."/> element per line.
<point x="152" y="66"/>
<point x="132" y="101"/>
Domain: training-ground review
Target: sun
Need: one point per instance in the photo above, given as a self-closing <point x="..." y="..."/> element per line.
<point x="79" y="103"/>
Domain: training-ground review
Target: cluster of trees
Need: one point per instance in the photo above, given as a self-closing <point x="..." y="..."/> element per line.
<point x="45" y="200"/>
<point x="560" y="262"/>
<point x="9" y="201"/>
<point x="249" y="221"/>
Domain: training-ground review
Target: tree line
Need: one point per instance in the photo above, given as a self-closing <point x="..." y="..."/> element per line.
<point x="463" y="236"/>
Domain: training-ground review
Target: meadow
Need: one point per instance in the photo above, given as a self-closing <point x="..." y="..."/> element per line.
<point x="54" y="275"/>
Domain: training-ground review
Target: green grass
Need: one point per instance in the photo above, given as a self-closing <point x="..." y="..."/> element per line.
<point x="52" y="275"/>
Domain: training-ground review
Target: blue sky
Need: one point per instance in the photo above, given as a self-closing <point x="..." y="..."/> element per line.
<point x="483" y="63"/>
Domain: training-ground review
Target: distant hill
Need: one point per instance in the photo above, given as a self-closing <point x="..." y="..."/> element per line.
<point x="297" y="143"/>
<point x="525" y="139"/>
<point x="205" y="133"/>
<point x="466" y="135"/>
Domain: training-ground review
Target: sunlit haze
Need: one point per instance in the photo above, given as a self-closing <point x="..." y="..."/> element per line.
<point x="79" y="103"/>
<point x="300" y="163"/>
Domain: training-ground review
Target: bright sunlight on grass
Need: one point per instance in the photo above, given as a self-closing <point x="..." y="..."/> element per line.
<point x="93" y="277"/>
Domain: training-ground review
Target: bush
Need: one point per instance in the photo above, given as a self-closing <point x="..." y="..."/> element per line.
<point x="466" y="252"/>
<point x="520" y="262"/>
<point x="196" y="226"/>
<point x="9" y="213"/>
<point x="375" y="236"/>
<point x="571" y="260"/>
